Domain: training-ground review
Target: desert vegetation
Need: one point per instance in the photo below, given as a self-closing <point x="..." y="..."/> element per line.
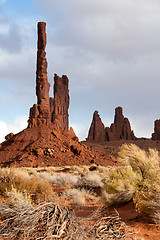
<point x="146" y="166"/>
<point x="41" y="203"/>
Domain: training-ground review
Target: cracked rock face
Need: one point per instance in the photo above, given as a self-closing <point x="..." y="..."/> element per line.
<point x="120" y="129"/>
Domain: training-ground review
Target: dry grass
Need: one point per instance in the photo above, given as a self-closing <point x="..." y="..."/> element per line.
<point x="79" y="196"/>
<point x="20" y="181"/>
<point x="60" y="179"/>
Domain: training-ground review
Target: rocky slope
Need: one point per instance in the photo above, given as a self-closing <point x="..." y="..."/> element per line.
<point x="48" y="146"/>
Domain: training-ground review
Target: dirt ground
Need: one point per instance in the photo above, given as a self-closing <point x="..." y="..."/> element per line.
<point x="127" y="213"/>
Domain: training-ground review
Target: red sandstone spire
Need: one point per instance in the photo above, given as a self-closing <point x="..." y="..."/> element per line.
<point x="60" y="102"/>
<point x="120" y="129"/>
<point x="42" y="84"/>
<point x="48" y="110"/>
<point x="96" y="131"/>
<point x="40" y="112"/>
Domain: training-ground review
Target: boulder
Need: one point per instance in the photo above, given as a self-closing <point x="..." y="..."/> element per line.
<point x="9" y="136"/>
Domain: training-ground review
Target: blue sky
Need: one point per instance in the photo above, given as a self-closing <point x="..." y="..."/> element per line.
<point x="18" y="8"/>
<point x="109" y="49"/>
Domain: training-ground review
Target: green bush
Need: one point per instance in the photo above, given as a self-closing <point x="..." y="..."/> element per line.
<point x="120" y="185"/>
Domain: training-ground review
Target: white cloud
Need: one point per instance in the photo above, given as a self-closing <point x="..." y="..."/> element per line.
<point x="121" y="29"/>
<point x="80" y="130"/>
<point x="18" y="125"/>
<point x="18" y="67"/>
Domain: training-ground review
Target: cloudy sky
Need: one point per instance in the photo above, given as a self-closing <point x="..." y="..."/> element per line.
<point x="109" y="49"/>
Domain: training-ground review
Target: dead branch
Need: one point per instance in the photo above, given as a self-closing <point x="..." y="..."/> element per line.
<point x="49" y="221"/>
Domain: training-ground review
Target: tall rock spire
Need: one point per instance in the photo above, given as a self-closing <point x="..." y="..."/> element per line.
<point x="40" y="112"/>
<point x="97" y="129"/>
<point x="42" y="84"/>
<point x="48" y="110"/>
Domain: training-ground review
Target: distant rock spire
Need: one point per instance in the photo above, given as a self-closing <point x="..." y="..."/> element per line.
<point x="156" y="134"/>
<point x="96" y="131"/>
<point x="120" y="129"/>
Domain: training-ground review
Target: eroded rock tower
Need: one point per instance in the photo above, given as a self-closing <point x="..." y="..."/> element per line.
<point x="48" y="110"/>
<point x="118" y="130"/>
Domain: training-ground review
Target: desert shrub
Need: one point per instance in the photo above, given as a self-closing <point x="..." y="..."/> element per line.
<point x="147" y="198"/>
<point x="78" y="196"/>
<point x="80" y="169"/>
<point x="12" y="178"/>
<point x="38" y="189"/>
<point x="60" y="179"/>
<point x="15" y="196"/>
<point x="91" y="179"/>
<point x="31" y="171"/>
<point x="120" y="185"/>
<point x="147" y="166"/>
<point x="141" y="161"/>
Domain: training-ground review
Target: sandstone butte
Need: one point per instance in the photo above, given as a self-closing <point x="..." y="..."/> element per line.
<point x="118" y="130"/>
<point x="48" y="141"/>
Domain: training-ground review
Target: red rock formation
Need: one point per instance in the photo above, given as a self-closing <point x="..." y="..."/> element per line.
<point x="43" y="143"/>
<point x="42" y="84"/>
<point x="47" y="146"/>
<point x="156" y="134"/>
<point x="96" y="131"/>
<point x="60" y="104"/>
<point x="120" y="129"/>
<point x="72" y="134"/>
<point x="9" y="136"/>
<point x="40" y="112"/>
<point x="48" y="110"/>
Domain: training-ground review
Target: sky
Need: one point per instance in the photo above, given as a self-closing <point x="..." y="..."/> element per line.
<point x="109" y="49"/>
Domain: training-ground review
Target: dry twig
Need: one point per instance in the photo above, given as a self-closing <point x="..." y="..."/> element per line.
<point x="49" y="221"/>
